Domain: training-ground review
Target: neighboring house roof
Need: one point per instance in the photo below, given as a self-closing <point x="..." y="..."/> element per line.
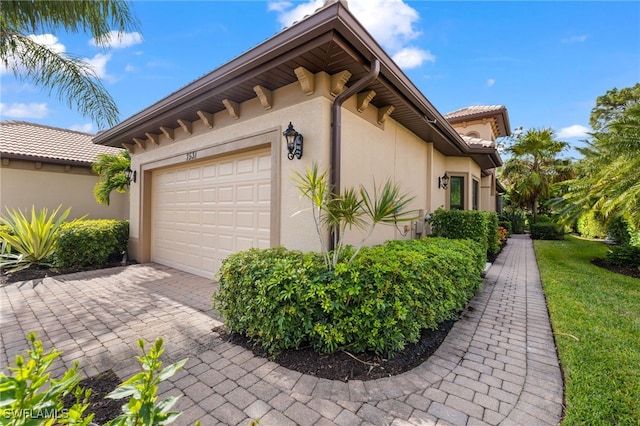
<point x="478" y="112"/>
<point x="478" y="141"/>
<point x="330" y="40"/>
<point x="36" y="142"/>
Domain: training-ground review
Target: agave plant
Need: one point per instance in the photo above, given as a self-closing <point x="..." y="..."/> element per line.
<point x="352" y="208"/>
<point x="32" y="241"/>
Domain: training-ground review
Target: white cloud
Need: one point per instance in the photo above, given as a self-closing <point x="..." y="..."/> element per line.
<point x="86" y="127"/>
<point x="491" y="82"/>
<point x="411" y="57"/>
<point x="19" y="110"/>
<point x="99" y="64"/>
<point x="118" y="40"/>
<point x="391" y="22"/>
<point x="575" y="39"/>
<point x="575" y="131"/>
<point x="130" y="68"/>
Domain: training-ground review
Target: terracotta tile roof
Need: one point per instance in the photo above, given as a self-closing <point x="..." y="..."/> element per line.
<point x="474" y="110"/>
<point x="30" y="141"/>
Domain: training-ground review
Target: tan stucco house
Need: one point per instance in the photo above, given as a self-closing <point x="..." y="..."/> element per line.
<point x="214" y="174"/>
<point x="46" y="167"/>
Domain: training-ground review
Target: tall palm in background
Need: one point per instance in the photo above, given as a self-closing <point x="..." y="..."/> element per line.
<point x="110" y="168"/>
<point x="70" y="78"/>
<point x="609" y="178"/>
<point x="534" y="167"/>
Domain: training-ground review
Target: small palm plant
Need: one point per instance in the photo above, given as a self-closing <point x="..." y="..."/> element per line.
<point x="111" y="170"/>
<point x="32" y="241"/>
<point x="334" y="213"/>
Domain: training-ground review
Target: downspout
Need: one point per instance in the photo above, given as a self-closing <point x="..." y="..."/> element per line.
<point x="336" y="126"/>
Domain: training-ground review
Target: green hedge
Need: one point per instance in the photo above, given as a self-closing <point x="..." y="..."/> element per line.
<point x="624" y="255"/>
<point x="476" y="225"/>
<point x="379" y="302"/>
<point x="91" y="242"/>
<point x="506" y="224"/>
<point x="547" y="231"/>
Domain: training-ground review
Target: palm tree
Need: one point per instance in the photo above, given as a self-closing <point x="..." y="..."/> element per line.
<point x="72" y="79"/>
<point x="110" y="168"/>
<point x="534" y="167"/>
<point x="609" y="183"/>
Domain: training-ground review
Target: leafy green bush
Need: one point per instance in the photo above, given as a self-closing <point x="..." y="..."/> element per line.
<point x="465" y="224"/>
<point x="506" y="224"/>
<point x="91" y="242"/>
<point x="624" y="255"/>
<point x="493" y="239"/>
<point x="547" y="231"/>
<point x="379" y="301"/>
<point x="29" y="396"/>
<point x="591" y="225"/>
<point x="542" y="218"/>
<point x="517" y="217"/>
<point x="618" y="230"/>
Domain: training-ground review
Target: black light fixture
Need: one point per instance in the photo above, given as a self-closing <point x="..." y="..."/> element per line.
<point x="443" y="181"/>
<point x="294" y="142"/>
<point x="130" y="175"/>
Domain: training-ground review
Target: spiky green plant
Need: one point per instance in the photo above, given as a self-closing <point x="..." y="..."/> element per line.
<point x="334" y="213"/>
<point x="33" y="240"/>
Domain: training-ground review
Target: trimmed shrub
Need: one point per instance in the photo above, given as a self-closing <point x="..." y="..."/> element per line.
<point x="547" y="231"/>
<point x="619" y="231"/>
<point x="493" y="239"/>
<point x="624" y="255"/>
<point x="506" y="224"/>
<point x="91" y="242"/>
<point x="461" y="224"/>
<point x="590" y="225"/>
<point x="380" y="301"/>
<point x="517" y="217"/>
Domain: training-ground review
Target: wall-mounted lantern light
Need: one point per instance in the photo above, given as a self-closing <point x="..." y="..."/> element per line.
<point x="130" y="175"/>
<point x="294" y="142"/>
<point x="443" y="181"/>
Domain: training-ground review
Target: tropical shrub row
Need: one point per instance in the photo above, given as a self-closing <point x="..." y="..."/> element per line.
<point x="283" y="299"/>
<point x="624" y="255"/>
<point x="476" y="225"/>
<point x="44" y="239"/>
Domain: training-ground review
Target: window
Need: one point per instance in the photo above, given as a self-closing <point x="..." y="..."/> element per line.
<point x="456" y="193"/>
<point x="475" y="196"/>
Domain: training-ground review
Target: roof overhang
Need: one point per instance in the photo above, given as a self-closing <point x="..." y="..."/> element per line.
<point x="330" y="40"/>
<point x="500" y="115"/>
<point x="47" y="160"/>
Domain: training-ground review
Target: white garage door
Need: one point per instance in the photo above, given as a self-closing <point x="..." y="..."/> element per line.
<point x="202" y="212"/>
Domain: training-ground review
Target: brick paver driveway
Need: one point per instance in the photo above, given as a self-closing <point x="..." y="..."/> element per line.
<point x="497" y="366"/>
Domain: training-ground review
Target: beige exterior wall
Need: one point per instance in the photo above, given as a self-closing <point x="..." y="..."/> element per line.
<point x="22" y="185"/>
<point x="255" y="127"/>
<point x="369" y="151"/>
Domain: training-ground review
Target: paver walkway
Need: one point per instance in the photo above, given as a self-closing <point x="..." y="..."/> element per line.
<point x="498" y="365"/>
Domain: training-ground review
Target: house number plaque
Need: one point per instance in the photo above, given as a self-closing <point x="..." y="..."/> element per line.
<point x="192" y="155"/>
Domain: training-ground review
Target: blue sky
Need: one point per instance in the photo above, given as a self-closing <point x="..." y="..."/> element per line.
<point x="547" y="62"/>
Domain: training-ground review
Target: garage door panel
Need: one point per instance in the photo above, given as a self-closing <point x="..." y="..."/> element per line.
<point x="203" y="212"/>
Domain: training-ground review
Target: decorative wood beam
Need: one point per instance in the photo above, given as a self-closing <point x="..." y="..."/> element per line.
<point x="338" y="80"/>
<point x="154" y="138"/>
<point x="168" y="132"/>
<point x="142" y="143"/>
<point x="364" y="98"/>
<point x="306" y="79"/>
<point x="128" y="147"/>
<point x="186" y="125"/>
<point x="384" y="113"/>
<point x="232" y="107"/>
<point x="206" y="118"/>
<point x="265" y="96"/>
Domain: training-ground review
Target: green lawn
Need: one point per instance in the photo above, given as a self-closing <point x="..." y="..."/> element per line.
<point x="596" y="320"/>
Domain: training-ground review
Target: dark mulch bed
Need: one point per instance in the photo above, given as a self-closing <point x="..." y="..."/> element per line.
<point x="630" y="272"/>
<point x="104" y="409"/>
<point x="345" y="366"/>
<point x="40" y="272"/>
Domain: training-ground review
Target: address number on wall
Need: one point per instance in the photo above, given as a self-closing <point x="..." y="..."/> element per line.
<point x="192" y="155"/>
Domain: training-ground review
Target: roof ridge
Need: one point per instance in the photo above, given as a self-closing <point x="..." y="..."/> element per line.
<point x="12" y="122"/>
